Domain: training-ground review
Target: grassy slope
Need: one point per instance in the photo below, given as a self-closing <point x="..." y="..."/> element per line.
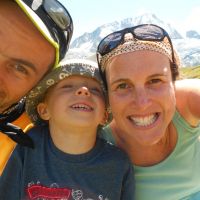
<point x="190" y="72"/>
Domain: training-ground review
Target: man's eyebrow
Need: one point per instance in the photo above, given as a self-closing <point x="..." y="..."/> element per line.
<point x="25" y="62"/>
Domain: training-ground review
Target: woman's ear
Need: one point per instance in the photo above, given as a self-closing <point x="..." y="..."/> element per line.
<point x="43" y="111"/>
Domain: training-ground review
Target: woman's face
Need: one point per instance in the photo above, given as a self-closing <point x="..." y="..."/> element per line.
<point x="141" y="95"/>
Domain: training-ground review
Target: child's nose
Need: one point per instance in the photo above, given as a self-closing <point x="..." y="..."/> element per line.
<point x="83" y="91"/>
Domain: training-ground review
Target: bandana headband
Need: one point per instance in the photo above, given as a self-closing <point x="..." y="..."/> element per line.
<point x="162" y="47"/>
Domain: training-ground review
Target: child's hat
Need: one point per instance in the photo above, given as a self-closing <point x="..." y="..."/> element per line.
<point x="67" y="68"/>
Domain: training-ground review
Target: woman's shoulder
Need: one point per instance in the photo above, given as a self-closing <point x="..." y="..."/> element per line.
<point x="188" y="100"/>
<point x="188" y="85"/>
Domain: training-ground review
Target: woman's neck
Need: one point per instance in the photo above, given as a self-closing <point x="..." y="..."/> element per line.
<point x="146" y="155"/>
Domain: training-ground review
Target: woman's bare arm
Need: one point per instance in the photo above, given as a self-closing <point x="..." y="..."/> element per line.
<point x="188" y="99"/>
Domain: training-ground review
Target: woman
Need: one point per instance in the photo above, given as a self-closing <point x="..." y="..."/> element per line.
<point x="156" y="117"/>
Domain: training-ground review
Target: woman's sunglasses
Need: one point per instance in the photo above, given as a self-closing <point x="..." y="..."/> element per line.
<point x="145" y="32"/>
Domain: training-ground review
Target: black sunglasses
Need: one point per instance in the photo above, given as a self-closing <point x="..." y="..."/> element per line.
<point x="58" y="21"/>
<point x="145" y="32"/>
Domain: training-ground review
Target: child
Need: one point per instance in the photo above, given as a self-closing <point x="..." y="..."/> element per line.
<point x="69" y="161"/>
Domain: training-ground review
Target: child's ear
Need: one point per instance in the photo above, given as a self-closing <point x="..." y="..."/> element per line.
<point x="43" y="111"/>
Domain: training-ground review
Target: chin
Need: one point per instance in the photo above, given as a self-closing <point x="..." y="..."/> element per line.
<point x="149" y="138"/>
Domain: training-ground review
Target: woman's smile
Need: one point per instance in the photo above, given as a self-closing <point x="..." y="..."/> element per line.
<point x="144" y="121"/>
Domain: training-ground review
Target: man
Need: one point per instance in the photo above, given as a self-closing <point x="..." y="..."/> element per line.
<point x="34" y="37"/>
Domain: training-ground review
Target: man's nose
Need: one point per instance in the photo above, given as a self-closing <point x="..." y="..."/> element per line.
<point x="84" y="91"/>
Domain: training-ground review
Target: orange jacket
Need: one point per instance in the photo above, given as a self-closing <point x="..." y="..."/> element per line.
<point x="7" y="145"/>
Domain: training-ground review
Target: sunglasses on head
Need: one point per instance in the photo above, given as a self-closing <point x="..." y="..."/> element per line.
<point x="57" y="19"/>
<point x="145" y="32"/>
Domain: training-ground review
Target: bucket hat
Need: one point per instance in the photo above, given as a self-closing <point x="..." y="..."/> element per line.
<point x="67" y="68"/>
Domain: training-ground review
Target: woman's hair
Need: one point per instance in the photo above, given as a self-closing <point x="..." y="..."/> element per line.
<point x="174" y="71"/>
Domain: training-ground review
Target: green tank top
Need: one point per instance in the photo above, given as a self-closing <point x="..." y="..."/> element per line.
<point x="178" y="176"/>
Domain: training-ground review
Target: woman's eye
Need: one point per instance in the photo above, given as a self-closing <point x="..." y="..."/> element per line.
<point x="122" y="86"/>
<point x="154" y="81"/>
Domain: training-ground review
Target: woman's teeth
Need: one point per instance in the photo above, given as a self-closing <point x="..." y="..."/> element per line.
<point x="144" y="121"/>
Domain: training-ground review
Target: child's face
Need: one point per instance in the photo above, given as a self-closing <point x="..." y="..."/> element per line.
<point x="75" y="101"/>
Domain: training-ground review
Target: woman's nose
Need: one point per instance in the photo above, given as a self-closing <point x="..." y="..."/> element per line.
<point x="142" y="98"/>
<point x="84" y="91"/>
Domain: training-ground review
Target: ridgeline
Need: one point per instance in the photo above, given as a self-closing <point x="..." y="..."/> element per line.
<point x="190" y="72"/>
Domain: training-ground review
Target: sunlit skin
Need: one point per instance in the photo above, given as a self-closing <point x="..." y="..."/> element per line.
<point x="25" y="55"/>
<point x="74" y="108"/>
<point x="141" y="90"/>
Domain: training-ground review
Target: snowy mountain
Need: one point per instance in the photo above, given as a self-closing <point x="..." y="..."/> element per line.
<point x="188" y="47"/>
<point x="192" y="34"/>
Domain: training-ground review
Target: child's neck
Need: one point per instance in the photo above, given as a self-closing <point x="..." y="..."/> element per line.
<point x="73" y="141"/>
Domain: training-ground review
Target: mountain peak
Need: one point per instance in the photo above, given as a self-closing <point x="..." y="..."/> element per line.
<point x="86" y="45"/>
<point x="192" y="34"/>
<point x="148" y="18"/>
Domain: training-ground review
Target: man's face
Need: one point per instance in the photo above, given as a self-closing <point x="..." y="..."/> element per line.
<point x="25" y="56"/>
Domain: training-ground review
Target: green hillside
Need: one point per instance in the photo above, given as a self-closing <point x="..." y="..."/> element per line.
<point x="190" y="72"/>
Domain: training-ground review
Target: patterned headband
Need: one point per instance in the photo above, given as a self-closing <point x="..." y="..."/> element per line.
<point x="162" y="47"/>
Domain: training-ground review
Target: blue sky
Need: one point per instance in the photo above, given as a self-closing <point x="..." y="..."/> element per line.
<point x="89" y="14"/>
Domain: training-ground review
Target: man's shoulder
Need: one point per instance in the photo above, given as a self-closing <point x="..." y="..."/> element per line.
<point x="23" y="122"/>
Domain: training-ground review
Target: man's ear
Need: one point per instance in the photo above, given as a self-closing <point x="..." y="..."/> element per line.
<point x="43" y="111"/>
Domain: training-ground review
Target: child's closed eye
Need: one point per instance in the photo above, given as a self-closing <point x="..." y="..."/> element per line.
<point x="67" y="86"/>
<point x="96" y="90"/>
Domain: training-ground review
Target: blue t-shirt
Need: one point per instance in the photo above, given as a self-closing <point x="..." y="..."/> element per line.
<point x="45" y="172"/>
